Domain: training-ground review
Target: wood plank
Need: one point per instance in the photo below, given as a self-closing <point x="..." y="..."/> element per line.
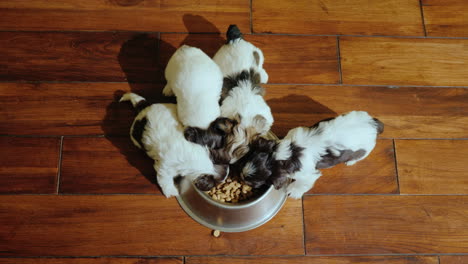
<point x="409" y="112"/>
<point x="453" y="259"/>
<point x="106" y="165"/>
<point x="446" y="18"/>
<point x="90" y="108"/>
<point x="71" y="108"/>
<point x="375" y="174"/>
<point x="404" y="61"/>
<point x="28" y="165"/>
<point x="393" y="17"/>
<point x="376" y="224"/>
<point x="315" y="260"/>
<point x="137" y="15"/>
<point x="132" y="225"/>
<point x="288" y="59"/>
<point x="91" y="260"/>
<point x="78" y="56"/>
<point x="432" y="166"/>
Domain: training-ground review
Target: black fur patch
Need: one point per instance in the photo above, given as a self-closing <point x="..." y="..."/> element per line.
<point x="215" y="136"/>
<point x="257" y="58"/>
<point x="232" y="81"/>
<point x="205" y="182"/>
<point x="138" y="129"/>
<point x="379" y="125"/>
<point x="260" y="156"/>
<point x="233" y="33"/>
<point x="329" y="160"/>
<point x="293" y="164"/>
<point x="142" y="105"/>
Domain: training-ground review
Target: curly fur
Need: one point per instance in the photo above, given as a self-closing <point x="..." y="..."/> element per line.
<point x="163" y="140"/>
<point x="196" y="80"/>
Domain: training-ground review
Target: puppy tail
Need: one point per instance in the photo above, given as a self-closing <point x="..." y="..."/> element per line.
<point x="233" y="33"/>
<point x="138" y="102"/>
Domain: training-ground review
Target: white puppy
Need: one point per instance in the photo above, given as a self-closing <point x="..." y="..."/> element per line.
<point x="157" y="130"/>
<point x="196" y="81"/>
<point x="298" y="157"/>
<point x="242" y="66"/>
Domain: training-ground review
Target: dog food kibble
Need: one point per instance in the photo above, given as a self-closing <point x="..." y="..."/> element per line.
<point x="231" y="191"/>
<point x="216" y="233"/>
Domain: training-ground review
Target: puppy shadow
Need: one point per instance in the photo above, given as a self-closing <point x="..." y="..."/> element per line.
<point x="143" y="59"/>
<point x="296" y="110"/>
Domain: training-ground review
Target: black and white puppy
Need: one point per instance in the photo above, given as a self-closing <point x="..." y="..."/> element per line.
<point x="296" y="159"/>
<point x="157" y="130"/>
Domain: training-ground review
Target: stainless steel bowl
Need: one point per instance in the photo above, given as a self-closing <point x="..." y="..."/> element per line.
<point x="226" y="217"/>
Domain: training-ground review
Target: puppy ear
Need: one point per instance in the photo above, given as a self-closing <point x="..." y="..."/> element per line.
<point x="223" y="125"/>
<point x="379" y="125"/>
<point x="205" y="182"/>
<point x="238" y="118"/>
<point x="192" y="134"/>
<point x="260" y="124"/>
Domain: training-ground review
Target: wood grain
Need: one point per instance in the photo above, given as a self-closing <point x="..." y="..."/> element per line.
<point x="386" y="224"/>
<point x="132" y="225"/>
<point x="91" y="260"/>
<point x="28" y="165"/>
<point x="136" y="15"/>
<point x="78" y="56"/>
<point x="375" y="174"/>
<point x="105" y="165"/>
<point x="315" y="260"/>
<point x="408" y="112"/>
<point x="432" y="166"/>
<point x="70" y="108"/>
<point x="446" y="18"/>
<point x="393" y="17"/>
<point x="404" y="61"/>
<point x="453" y="259"/>
<point x="288" y="59"/>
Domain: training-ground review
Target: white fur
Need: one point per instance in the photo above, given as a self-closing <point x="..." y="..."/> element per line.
<point x="233" y="58"/>
<point x="197" y="81"/>
<point x="242" y="100"/>
<point x="353" y="131"/>
<point x="164" y="141"/>
<point x="238" y="55"/>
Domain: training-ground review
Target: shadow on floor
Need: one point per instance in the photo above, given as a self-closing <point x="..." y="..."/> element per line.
<point x="143" y="59"/>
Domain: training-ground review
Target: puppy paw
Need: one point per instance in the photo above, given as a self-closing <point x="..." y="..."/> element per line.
<point x="294" y="191"/>
<point x="351" y="162"/>
<point x="167" y="91"/>
<point x="170" y="192"/>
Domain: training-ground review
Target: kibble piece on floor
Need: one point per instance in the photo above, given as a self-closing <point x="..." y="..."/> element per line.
<point x="216" y="233"/>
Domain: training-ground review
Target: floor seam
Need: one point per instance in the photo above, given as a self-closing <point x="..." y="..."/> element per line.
<point x="59" y="166"/>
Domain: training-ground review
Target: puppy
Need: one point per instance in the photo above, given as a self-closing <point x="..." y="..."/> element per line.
<point x="196" y="81"/>
<point x="242" y="66"/>
<point x="349" y="138"/>
<point x="297" y="158"/>
<point x="157" y="130"/>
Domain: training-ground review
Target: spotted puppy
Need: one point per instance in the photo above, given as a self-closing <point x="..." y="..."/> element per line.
<point x="157" y="130"/>
<point x="296" y="159"/>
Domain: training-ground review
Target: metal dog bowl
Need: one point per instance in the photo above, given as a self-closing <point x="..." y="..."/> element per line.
<point x="227" y="217"/>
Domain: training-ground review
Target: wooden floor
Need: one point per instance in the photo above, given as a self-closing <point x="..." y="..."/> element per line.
<point x="75" y="190"/>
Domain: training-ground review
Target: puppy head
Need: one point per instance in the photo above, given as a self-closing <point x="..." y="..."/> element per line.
<point x="214" y="136"/>
<point x="256" y="167"/>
